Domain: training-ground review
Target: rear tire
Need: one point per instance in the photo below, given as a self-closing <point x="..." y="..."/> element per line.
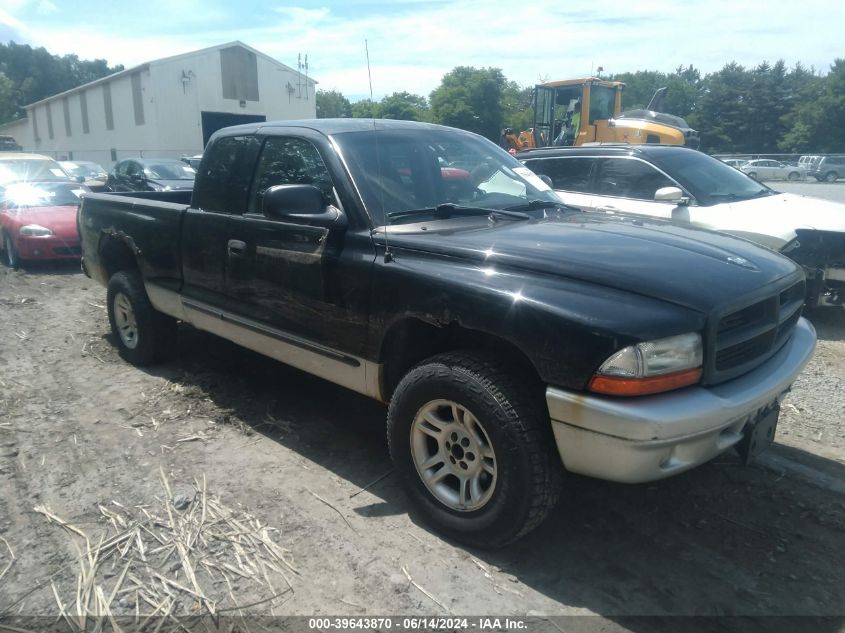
<point x="144" y="335"/>
<point x="473" y="446"/>
<point x="752" y="174"/>
<point x="10" y="253"/>
<point x="793" y="175"/>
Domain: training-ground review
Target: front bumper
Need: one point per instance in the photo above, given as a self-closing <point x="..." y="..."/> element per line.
<point x="48" y="247"/>
<point x="633" y="440"/>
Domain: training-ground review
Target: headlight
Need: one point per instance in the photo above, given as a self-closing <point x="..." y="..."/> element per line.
<point x="651" y="367"/>
<point x="35" y="230"/>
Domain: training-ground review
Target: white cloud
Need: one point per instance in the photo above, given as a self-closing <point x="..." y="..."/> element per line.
<point x="413" y="44"/>
<point x="46" y="7"/>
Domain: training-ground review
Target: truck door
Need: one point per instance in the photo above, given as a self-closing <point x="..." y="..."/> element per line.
<point x="305" y="278"/>
<point x="220" y="192"/>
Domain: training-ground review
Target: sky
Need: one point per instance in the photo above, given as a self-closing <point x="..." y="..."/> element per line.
<point x="413" y="43"/>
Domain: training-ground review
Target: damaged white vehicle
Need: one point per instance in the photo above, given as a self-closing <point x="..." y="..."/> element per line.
<point x="684" y="185"/>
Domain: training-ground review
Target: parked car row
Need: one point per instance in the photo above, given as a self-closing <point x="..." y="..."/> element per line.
<point x="822" y="168"/>
<point x="39" y="198"/>
<point x="689" y="187"/>
<point x="38" y="204"/>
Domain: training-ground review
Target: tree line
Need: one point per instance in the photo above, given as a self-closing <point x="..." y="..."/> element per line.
<point x="765" y="109"/>
<point x="30" y="74"/>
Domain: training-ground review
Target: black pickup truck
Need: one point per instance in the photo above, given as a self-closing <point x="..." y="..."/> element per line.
<point x="514" y="338"/>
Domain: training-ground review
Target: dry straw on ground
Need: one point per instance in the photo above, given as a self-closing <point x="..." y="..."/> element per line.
<point x="152" y="562"/>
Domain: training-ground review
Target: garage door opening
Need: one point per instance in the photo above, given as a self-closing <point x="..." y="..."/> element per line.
<point x="213" y="121"/>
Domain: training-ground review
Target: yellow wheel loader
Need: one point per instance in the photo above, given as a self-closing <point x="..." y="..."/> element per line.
<point x="580" y="111"/>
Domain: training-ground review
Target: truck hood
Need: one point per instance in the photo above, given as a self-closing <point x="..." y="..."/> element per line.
<point x="773" y="220"/>
<point x="686" y="266"/>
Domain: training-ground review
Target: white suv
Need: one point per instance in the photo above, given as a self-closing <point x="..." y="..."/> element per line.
<point x="679" y="184"/>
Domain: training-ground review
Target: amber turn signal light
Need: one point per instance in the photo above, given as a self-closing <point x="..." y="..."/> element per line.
<point x="620" y="386"/>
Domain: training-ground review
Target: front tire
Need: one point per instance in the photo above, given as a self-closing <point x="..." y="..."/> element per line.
<point x="473" y="445"/>
<point x="793" y="175"/>
<point x="752" y="174"/>
<point x="144" y="335"/>
<point x="10" y="253"/>
<point x="831" y="177"/>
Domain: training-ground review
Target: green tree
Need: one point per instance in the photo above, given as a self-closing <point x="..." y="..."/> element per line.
<point x="366" y="109"/>
<point x="470" y="99"/>
<point x="36" y="74"/>
<point x="517" y="106"/>
<point x="403" y="106"/>
<point x="331" y="104"/>
<point x="8" y="105"/>
<point x="817" y="121"/>
<point x="722" y="113"/>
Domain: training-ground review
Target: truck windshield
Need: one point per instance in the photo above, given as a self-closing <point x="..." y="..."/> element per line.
<point x="708" y="179"/>
<point x="398" y="171"/>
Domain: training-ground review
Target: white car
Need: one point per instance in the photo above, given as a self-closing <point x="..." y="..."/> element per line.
<point x="765" y="169"/>
<point x="685" y="185"/>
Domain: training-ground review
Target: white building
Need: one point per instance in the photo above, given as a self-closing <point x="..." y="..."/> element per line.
<point x="167" y="107"/>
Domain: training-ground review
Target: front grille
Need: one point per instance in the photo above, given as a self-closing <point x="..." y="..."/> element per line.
<point x="745" y="337"/>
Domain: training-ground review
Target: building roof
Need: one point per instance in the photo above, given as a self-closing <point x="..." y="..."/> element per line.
<point x="146" y="65"/>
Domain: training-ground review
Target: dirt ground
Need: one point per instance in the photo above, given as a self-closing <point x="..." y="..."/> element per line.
<point x="83" y="434"/>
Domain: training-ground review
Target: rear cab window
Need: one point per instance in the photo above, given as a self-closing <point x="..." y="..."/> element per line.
<point x="224" y="175"/>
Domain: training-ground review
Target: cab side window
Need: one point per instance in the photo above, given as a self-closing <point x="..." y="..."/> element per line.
<point x="224" y="175"/>
<point x="567" y="174"/>
<point x="289" y="161"/>
<point x="629" y="178"/>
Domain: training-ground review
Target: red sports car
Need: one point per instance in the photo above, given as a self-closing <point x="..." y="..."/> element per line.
<point x="38" y="221"/>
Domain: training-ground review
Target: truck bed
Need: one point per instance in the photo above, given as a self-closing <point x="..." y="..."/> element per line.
<point x="147" y="223"/>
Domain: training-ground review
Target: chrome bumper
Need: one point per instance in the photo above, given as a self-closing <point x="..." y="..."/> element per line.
<point x="642" y="439"/>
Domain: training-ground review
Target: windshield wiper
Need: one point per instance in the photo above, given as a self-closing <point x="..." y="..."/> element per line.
<point x="449" y="209"/>
<point x="533" y="205"/>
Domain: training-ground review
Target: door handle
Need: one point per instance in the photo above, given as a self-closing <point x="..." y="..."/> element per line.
<point x="236" y="248"/>
<point x="607" y="209"/>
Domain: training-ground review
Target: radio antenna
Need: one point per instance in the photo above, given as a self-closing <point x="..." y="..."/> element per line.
<point x="388" y="256"/>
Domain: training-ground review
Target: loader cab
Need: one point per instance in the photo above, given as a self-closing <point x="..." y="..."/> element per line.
<point x="595" y="102"/>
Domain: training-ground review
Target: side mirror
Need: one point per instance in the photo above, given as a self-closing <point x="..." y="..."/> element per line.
<point x="299" y="203"/>
<point x="546" y="180"/>
<point x="671" y="194"/>
<point x="79" y="179"/>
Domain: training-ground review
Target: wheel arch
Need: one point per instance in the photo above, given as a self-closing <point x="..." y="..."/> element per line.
<point x="411" y="340"/>
<point x="117" y="252"/>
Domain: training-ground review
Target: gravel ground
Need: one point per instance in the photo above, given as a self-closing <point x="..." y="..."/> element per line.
<point x="829" y="191"/>
<point x="88" y="439"/>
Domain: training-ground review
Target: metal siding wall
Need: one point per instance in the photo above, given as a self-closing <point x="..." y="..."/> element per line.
<point x="83" y="104"/>
<point x="137" y="99"/>
<point x="66" y="109"/>
<point x="107" y="106"/>
<point x="49" y="119"/>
